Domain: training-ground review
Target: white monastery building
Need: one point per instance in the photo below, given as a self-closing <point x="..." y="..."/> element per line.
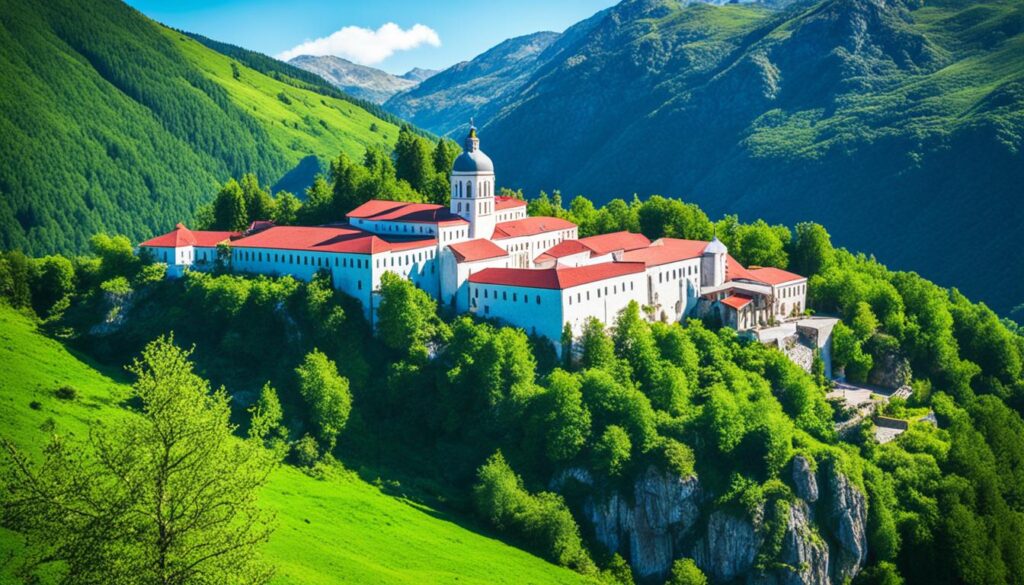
<point x="484" y="255"/>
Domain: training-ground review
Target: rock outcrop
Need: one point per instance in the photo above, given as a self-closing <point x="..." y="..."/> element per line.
<point x="666" y="517"/>
<point x="663" y="509"/>
<point x="803" y="558"/>
<point x="804" y="480"/>
<point x="846" y="519"/>
<point x="728" y="548"/>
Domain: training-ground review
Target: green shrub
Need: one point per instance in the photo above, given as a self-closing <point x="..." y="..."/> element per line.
<point x="679" y="457"/>
<point x="686" y="572"/>
<point x="542" y="521"/>
<point x="305" y="452"/>
<point x="611" y="453"/>
<point x="66" y="393"/>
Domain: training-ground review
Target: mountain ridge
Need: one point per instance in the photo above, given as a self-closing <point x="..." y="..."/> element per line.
<point x="823" y="111"/>
<point x="360" y="81"/>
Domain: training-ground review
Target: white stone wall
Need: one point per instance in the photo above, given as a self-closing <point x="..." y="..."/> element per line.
<point x="673" y="288"/>
<point x="524" y="249"/>
<point x="420" y="265"/>
<point x="603" y="299"/>
<point x="452" y="234"/>
<point x="510" y="214"/>
<point x="789" y="295"/>
<point x="535" y="310"/>
<point x="455" y="274"/>
<point x="398" y="228"/>
<point x="350" y="273"/>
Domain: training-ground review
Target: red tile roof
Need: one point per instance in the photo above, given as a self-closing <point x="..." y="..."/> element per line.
<point x="595" y="245"/>
<point x="182" y="236"/>
<point x="555" y="278"/>
<point x="327" y="239"/>
<point x="736" y="301"/>
<point x="530" y="226"/>
<point x="563" y="249"/>
<point x="666" y="251"/>
<point x="773" y="276"/>
<point x="382" y="210"/>
<point x="477" y="250"/>
<point x="502" y="202"/>
<point x="607" y="243"/>
<point x="734" y="270"/>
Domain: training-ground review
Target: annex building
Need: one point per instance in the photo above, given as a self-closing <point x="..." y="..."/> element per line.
<point x="483" y="255"/>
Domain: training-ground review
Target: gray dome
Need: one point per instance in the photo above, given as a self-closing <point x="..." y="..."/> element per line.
<point x="472" y="159"/>
<point x="716" y="246"/>
<point x="473" y="162"/>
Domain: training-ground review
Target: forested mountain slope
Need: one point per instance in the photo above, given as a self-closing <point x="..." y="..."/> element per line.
<point x="446" y="101"/>
<point x="109" y="121"/>
<point x="896" y="123"/>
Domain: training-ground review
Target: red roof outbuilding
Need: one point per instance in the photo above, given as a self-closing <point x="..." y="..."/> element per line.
<point x="736" y="301"/>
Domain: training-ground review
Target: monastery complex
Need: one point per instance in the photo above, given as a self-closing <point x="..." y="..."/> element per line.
<point x="484" y="255"/>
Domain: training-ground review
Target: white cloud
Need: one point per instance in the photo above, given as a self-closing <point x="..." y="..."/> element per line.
<point x="366" y="46"/>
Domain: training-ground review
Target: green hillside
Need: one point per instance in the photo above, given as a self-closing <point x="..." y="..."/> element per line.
<point x="109" y="121"/>
<point x="329" y="531"/>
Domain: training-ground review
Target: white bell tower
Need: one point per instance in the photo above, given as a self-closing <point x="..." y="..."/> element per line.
<point x="472" y="187"/>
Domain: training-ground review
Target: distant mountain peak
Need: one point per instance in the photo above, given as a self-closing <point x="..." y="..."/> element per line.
<point x="419" y="74"/>
<point x="360" y="81"/>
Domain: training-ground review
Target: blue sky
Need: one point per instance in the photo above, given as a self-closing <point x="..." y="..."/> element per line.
<point x="450" y="31"/>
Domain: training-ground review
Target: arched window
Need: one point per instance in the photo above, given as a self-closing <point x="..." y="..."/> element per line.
<point x="469" y="189"/>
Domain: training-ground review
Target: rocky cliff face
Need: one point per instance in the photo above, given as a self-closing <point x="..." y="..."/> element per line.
<point x="666" y="517"/>
<point x="663" y="510"/>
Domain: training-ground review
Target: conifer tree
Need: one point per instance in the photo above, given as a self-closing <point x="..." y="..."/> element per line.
<point x="413" y="159"/>
<point x="229" y="208"/>
<point x="347" y="178"/>
<point x="259" y="205"/>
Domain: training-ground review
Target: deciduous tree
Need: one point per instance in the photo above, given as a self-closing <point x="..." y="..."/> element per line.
<point x="327" y="394"/>
<point x="166" y="495"/>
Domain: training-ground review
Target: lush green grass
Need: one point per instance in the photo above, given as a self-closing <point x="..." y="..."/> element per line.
<point x="312" y="124"/>
<point x="337" y="530"/>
